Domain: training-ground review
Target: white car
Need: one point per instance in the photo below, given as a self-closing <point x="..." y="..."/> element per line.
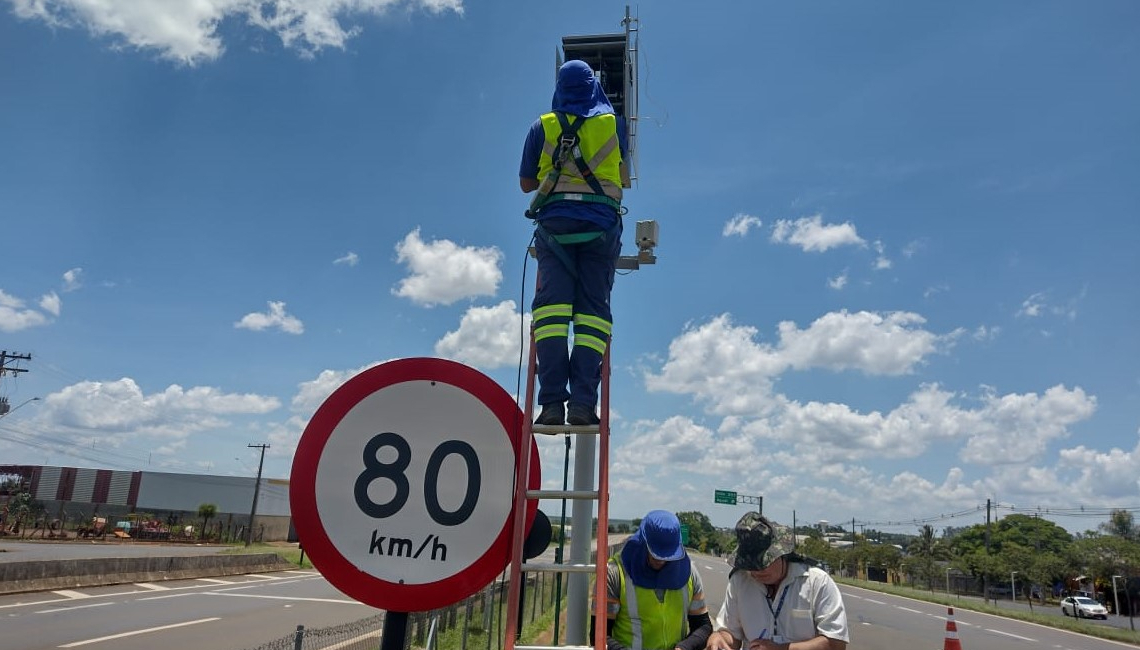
<point x="1083" y="607"/>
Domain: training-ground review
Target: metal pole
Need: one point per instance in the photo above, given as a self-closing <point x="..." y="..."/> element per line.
<point x="468" y="608"/>
<point x="1012" y="586"/>
<point x="522" y="605"/>
<point x="256" y="490"/>
<point x="582" y="524"/>
<point x="1115" y="596"/>
<point x="559" y="552"/>
<point x="395" y="631"/>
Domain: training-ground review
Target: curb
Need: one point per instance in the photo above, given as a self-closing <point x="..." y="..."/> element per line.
<point x="44" y="575"/>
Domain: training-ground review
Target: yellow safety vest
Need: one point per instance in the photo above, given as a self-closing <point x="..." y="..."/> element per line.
<point x="644" y="623"/>
<point x="598" y="142"/>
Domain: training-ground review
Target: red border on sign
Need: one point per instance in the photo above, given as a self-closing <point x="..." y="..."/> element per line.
<point x="324" y="554"/>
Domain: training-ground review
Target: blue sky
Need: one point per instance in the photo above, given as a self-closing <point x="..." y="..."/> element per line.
<point x="897" y="267"/>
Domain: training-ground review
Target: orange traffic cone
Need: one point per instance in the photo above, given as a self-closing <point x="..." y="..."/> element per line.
<point x="952" y="642"/>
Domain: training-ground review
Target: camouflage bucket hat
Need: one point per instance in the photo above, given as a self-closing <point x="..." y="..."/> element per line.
<point x="760" y="541"/>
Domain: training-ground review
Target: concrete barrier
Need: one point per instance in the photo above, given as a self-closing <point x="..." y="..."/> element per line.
<point x="41" y="575"/>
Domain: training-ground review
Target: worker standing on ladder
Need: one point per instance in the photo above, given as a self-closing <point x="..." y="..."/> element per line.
<point x="574" y="157"/>
<point x="655" y="598"/>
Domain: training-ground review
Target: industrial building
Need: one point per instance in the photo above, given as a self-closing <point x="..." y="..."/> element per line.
<point x="73" y="496"/>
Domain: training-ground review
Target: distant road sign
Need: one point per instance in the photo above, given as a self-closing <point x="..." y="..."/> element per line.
<point x="724" y="496"/>
<point x="401" y="490"/>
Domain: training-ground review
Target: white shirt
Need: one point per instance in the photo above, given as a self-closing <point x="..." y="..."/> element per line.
<point x="807" y="604"/>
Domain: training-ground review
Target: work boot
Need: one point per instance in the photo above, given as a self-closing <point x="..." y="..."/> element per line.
<point x="581" y="415"/>
<point x="552" y="414"/>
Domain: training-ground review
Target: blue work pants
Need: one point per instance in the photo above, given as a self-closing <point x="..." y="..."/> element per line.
<point x="585" y="301"/>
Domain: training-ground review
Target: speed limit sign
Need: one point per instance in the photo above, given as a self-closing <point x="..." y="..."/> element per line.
<point x="402" y="485"/>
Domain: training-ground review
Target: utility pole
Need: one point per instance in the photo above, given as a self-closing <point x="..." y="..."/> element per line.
<point x="5" y="368"/>
<point x="985" y="579"/>
<point x="256" y="489"/>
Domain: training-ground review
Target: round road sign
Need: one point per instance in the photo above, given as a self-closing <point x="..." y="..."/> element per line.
<point x="402" y="484"/>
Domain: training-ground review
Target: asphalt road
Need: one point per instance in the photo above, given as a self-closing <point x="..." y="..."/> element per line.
<point x="242" y="612"/>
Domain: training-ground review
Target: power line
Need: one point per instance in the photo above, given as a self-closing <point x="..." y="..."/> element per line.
<point x="1095" y="512"/>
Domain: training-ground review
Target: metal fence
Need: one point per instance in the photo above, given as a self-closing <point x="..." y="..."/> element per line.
<point x="476" y="623"/>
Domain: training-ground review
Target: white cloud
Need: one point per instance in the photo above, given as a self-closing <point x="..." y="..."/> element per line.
<point x="882" y="262"/>
<point x="349" y="259"/>
<point x="188" y="32"/>
<point x="1041" y="304"/>
<point x="1033" y="305"/>
<point x="678" y="441"/>
<point x="311" y="394"/>
<point x="839" y="281"/>
<point x="121" y="407"/>
<point x="742" y="380"/>
<point x="875" y="344"/>
<point x="72" y="279"/>
<point x="1113" y="473"/>
<point x="275" y="317"/>
<point x="51" y="303"/>
<point x="935" y="289"/>
<point x="15" y="317"/>
<point x="914" y="247"/>
<point x="443" y="272"/>
<point x="488" y="337"/>
<point x="1016" y="428"/>
<point x="740" y="224"/>
<point x="811" y="234"/>
<point x="986" y="333"/>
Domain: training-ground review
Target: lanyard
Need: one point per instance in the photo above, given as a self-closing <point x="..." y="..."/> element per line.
<point x="776" y="611"/>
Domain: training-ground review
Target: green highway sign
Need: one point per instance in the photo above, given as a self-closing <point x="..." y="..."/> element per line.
<point x="724" y="496"/>
<point x="685" y="534"/>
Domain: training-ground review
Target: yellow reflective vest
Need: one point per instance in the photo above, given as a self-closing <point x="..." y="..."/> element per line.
<point x="644" y="623"/>
<point x="598" y="142"/>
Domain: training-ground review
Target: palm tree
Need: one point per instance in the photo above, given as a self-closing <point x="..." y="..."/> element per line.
<point x="206" y="511"/>
<point x="926" y="549"/>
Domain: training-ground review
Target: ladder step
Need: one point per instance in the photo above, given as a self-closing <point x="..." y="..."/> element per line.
<point x="562" y="494"/>
<point x="555" y="429"/>
<point x="553" y="567"/>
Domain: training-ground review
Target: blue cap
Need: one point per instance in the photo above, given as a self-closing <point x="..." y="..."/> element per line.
<point x="578" y="91"/>
<point x="661" y="531"/>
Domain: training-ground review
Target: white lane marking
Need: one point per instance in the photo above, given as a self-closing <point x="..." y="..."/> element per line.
<point x="68" y="609"/>
<point x="152" y="587"/>
<point x="907" y="609"/>
<point x="263" y="577"/>
<point x="137" y="632"/>
<point x="216" y="581"/>
<point x="1016" y="636"/>
<point x="120" y="594"/>
<point x="165" y="596"/>
<point x="67" y="593"/>
<point x="302" y="573"/>
<point x="872" y="600"/>
<point x="294" y="598"/>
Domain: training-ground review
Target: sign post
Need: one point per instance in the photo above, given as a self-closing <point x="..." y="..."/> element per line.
<point x="401" y="489"/>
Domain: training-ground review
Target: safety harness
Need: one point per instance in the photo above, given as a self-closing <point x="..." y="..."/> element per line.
<point x="569" y="150"/>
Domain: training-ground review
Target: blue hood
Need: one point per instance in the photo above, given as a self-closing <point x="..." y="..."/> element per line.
<point x="635" y="561"/>
<point x="578" y="92"/>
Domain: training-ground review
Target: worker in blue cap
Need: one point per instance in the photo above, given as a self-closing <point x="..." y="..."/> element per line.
<point x="655" y="599"/>
<point x="574" y="161"/>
